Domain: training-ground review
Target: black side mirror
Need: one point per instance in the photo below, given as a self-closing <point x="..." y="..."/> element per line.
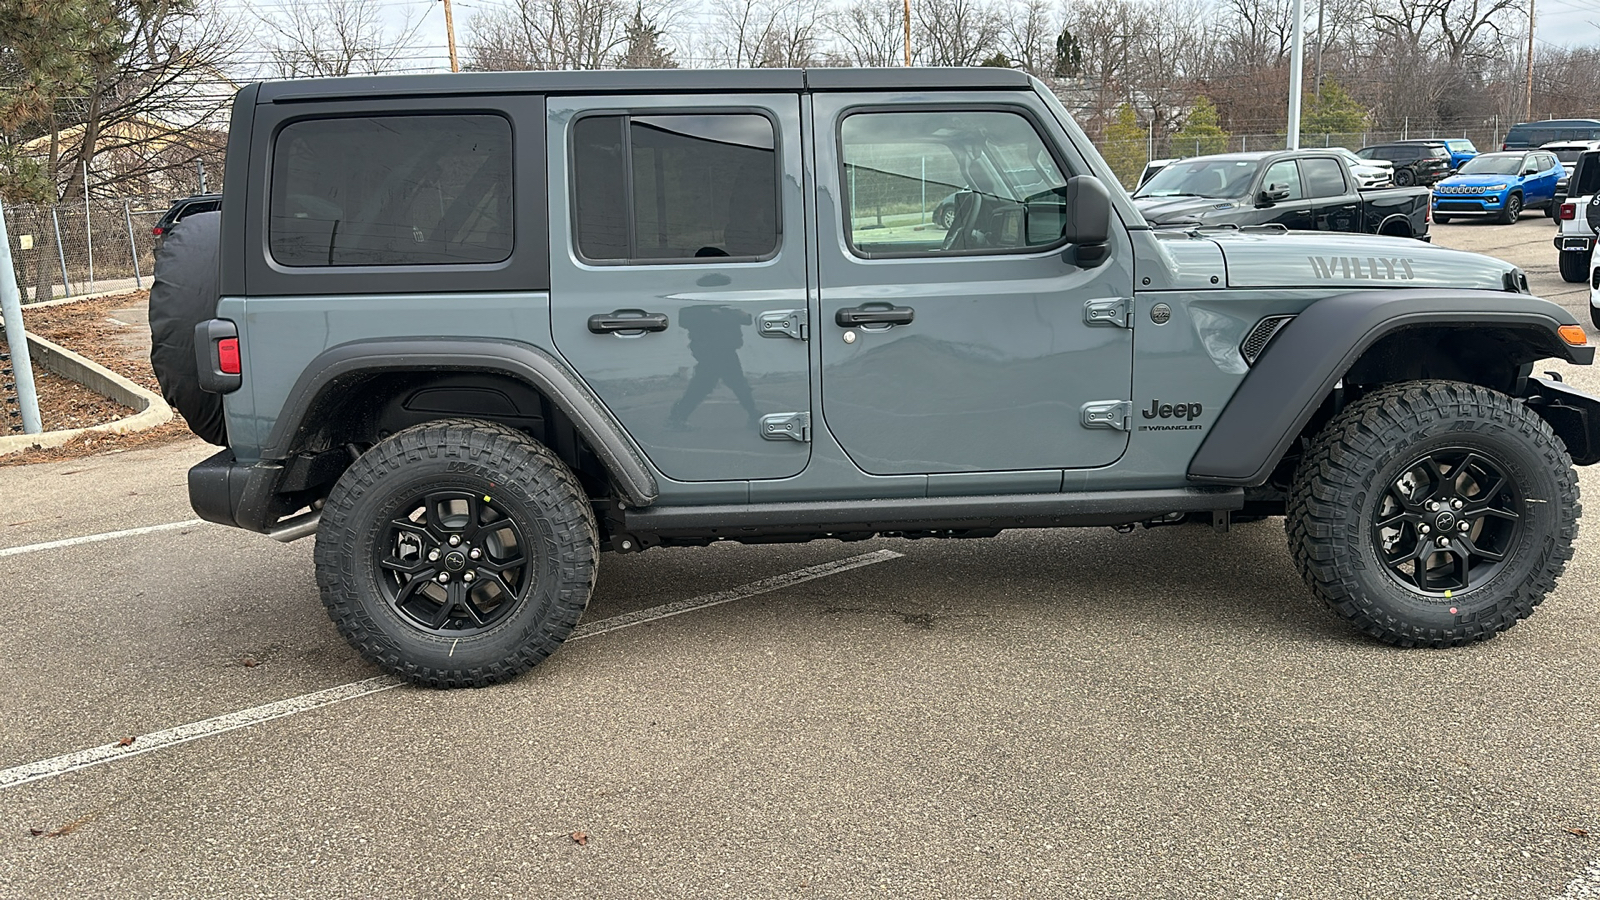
<point x="1274" y="193"/>
<point x="1079" y="211"/>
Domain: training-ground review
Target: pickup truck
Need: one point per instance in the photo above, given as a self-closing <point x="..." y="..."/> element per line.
<point x="472" y="330"/>
<point x="1302" y="190"/>
<point x="1575" y="236"/>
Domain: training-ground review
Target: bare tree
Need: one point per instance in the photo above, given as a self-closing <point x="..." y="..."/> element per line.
<point x="955" y="32"/>
<point x="1028" y="35"/>
<point x="765" y="33"/>
<point x="571" y="34"/>
<point x="869" y="32"/>
<point x="310" y="38"/>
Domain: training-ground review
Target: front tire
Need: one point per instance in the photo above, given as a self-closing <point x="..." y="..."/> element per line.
<point x="1404" y="177"/>
<point x="1440" y="220"/>
<point x="1512" y="209"/>
<point x="456" y="553"/>
<point x="1375" y="519"/>
<point x="1574" y="266"/>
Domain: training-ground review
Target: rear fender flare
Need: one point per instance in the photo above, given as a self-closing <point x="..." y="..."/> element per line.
<point x="1308" y="356"/>
<point x="547" y="374"/>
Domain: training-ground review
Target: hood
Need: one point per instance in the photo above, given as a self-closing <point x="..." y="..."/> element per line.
<point x="1169" y="210"/>
<point x="1308" y="259"/>
<point x="1479" y="180"/>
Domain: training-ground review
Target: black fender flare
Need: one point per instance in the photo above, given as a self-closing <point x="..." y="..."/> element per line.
<point x="1308" y="356"/>
<point x="549" y="375"/>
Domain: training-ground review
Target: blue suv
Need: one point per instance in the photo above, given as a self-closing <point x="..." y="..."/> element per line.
<point x="1500" y="185"/>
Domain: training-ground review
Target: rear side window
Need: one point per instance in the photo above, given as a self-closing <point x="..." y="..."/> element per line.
<point x="391" y="191"/>
<point x="1324" y="177"/>
<point x="1438" y="152"/>
<point x="680" y="187"/>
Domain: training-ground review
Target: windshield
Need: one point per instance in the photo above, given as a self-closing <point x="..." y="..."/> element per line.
<point x="1220" y="178"/>
<point x="1492" y="165"/>
<point x="1568" y="155"/>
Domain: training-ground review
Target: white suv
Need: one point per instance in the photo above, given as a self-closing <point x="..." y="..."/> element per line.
<point x="1577" y="218"/>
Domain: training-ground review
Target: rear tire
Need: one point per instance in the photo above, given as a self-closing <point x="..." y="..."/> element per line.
<point x="1375" y="516"/>
<point x="1574" y="266"/>
<point x="497" y="516"/>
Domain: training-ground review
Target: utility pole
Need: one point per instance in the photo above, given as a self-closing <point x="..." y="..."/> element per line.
<point x="450" y="35"/>
<point x="1528" y="115"/>
<point x="908" y="34"/>
<point x="1317" y="83"/>
<point x="1297" y="61"/>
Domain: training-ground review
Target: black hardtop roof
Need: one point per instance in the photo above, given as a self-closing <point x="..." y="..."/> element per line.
<point x="1249" y="155"/>
<point x="644" y="81"/>
<point x="1556" y="122"/>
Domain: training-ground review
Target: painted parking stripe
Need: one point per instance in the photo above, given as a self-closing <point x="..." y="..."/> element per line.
<point x="158" y="740"/>
<point x="104" y="536"/>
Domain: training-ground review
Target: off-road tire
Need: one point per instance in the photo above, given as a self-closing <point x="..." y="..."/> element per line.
<point x="1348" y="470"/>
<point x="541" y="502"/>
<point x="1511" y="211"/>
<point x="1574" y="266"/>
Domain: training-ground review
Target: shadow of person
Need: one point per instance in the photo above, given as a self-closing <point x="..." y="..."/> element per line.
<point x="715" y="335"/>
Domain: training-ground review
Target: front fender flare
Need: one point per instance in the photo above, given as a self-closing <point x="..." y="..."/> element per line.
<point x="622" y="459"/>
<point x="1308" y="356"/>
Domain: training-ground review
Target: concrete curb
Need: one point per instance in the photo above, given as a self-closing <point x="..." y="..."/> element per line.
<point x="63" y="301"/>
<point x="152" y="410"/>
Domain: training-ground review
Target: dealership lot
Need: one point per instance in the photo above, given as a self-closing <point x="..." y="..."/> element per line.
<point x="1045" y="714"/>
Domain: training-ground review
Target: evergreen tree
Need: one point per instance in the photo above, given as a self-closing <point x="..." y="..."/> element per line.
<point x="1069" y="56"/>
<point x="1336" y="112"/>
<point x="1124" y="146"/>
<point x="642" y="48"/>
<point x="1200" y="133"/>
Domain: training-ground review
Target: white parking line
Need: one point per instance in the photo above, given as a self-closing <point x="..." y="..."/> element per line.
<point x="157" y="740"/>
<point x="1584" y="886"/>
<point x="104" y="536"/>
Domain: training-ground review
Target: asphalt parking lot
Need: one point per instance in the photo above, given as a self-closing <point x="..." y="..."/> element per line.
<point x="1045" y="714"/>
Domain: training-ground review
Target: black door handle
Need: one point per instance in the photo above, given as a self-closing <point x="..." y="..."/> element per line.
<point x="627" y="320"/>
<point x="874" y="315"/>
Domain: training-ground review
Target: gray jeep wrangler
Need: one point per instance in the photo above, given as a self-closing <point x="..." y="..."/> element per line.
<point x="470" y="330"/>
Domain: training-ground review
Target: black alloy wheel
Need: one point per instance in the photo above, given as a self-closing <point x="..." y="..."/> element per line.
<point x="1448" y="522"/>
<point x="1404" y="177"/>
<point x="1511" y="211"/>
<point x="453" y="563"/>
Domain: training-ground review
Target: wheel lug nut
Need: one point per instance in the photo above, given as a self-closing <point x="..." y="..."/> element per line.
<point x="1456" y="504"/>
<point x="1433" y="505"/>
<point x="475" y="553"/>
<point x="455" y="540"/>
<point x="1444" y="541"/>
<point x="433" y="556"/>
<point x="444" y="577"/>
<point x="1425" y="529"/>
<point x="1464" y="526"/>
<point x="467" y="577"/>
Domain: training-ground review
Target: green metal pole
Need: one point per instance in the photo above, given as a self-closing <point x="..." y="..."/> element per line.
<point x="16" y="337"/>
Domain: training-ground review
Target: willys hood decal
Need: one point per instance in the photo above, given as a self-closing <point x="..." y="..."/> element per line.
<point x="1312" y="259"/>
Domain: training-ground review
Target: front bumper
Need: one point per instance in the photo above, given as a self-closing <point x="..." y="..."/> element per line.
<point x="1469" y="204"/>
<point x="1573" y="415"/>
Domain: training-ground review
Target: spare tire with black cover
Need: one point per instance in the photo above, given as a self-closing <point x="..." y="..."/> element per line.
<point x="183" y="293"/>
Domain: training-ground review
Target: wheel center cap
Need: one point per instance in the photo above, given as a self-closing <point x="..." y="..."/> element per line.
<point x="455" y="561"/>
<point x="1445" y="520"/>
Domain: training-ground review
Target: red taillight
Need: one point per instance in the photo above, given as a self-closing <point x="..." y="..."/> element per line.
<point x="1569" y="211"/>
<point x="228" y="356"/>
<point x="156" y="231"/>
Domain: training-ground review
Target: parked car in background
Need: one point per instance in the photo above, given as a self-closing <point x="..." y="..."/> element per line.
<point x="1527" y="135"/>
<point x="1567" y="153"/>
<point x="1302" y="190"/>
<point x="1414" y="163"/>
<point x="182" y="209"/>
<point x="1368" y="173"/>
<point x="1577" y="218"/>
<point x="1151" y="168"/>
<point x="1460" y="149"/>
<point x="1501" y="185"/>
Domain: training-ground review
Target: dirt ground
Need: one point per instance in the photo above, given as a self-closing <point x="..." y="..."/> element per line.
<point x="103" y="330"/>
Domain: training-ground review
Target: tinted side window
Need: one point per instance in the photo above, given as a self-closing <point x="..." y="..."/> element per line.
<point x="672" y="187"/>
<point x="391" y="191"/>
<point x="948" y="182"/>
<point x="1324" y="177"/>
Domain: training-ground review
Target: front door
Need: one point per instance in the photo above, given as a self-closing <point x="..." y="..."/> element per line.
<point x="678" y="276"/>
<point x="954" y="337"/>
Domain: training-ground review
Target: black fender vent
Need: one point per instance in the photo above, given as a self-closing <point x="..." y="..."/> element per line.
<point x="1260" y="336"/>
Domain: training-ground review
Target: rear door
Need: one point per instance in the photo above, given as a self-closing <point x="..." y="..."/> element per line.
<point x="1334" y="201"/>
<point x="978" y="347"/>
<point x="678" y="274"/>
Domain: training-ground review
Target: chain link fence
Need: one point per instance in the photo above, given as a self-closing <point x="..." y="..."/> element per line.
<point x="72" y="249"/>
